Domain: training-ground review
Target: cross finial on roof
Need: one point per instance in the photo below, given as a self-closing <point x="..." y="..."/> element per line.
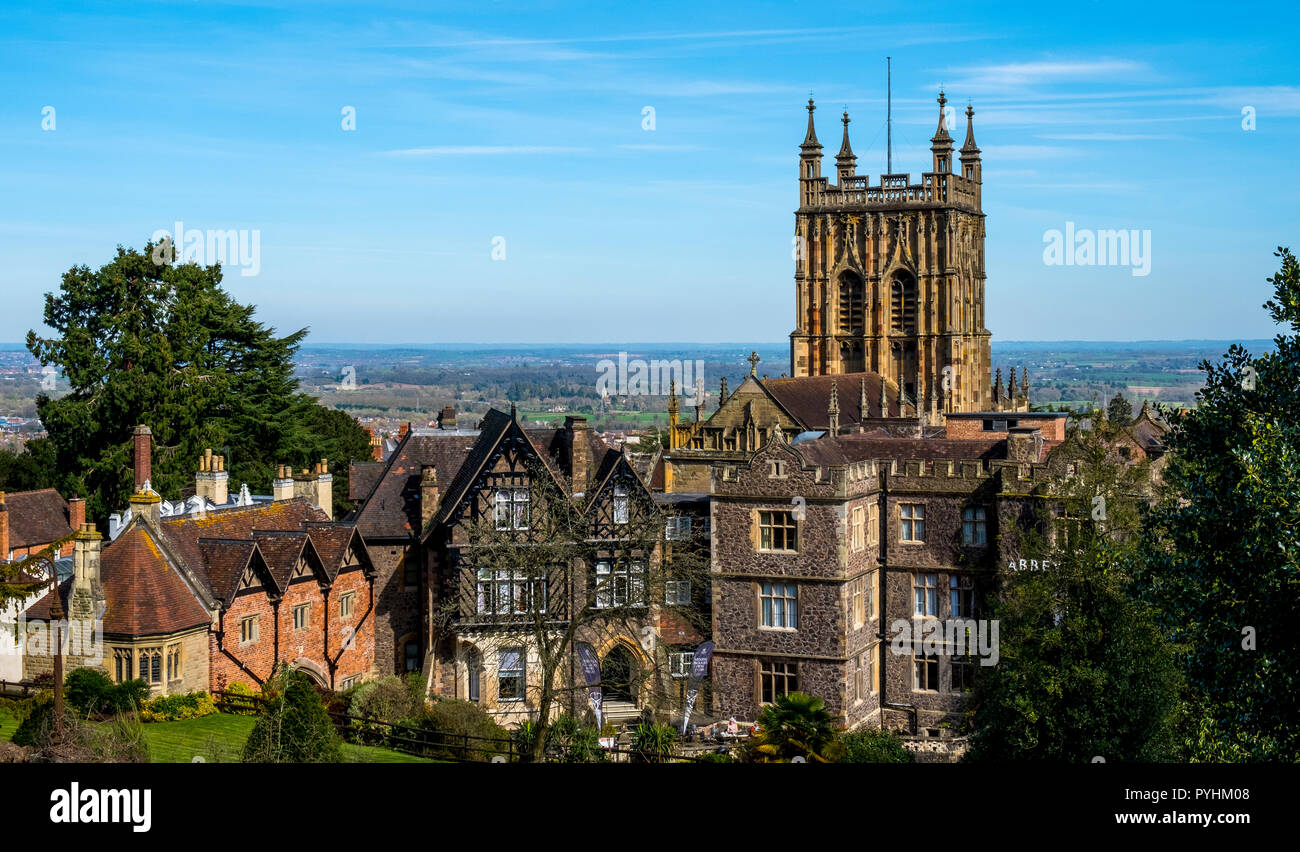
<point x="753" y="360"/>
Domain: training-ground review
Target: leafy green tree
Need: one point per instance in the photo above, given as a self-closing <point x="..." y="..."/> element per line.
<point x="1222" y="552"/>
<point x="293" y="726"/>
<point x="1083" y="670"/>
<point x="797" y="725"/>
<point x="1119" y="411"/>
<point x="161" y="343"/>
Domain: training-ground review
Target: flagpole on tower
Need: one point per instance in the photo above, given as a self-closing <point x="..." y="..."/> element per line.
<point x="889" y="115"/>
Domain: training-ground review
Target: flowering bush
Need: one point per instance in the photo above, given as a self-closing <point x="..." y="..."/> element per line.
<point x="174" y="708"/>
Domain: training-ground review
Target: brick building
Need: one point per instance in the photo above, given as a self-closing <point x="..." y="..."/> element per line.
<point x="211" y="597"/>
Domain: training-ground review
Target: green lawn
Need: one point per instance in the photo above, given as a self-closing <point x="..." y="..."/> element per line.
<point x="219" y="739"/>
<point x="8" y="724"/>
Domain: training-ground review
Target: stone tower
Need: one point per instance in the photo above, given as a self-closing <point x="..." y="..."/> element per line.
<point x="890" y="278"/>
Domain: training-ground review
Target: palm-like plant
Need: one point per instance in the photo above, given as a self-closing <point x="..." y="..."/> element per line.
<point x="796" y="725"/>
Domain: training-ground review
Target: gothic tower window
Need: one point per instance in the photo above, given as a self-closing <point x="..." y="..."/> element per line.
<point x="851" y="293"/>
<point x="902" y="306"/>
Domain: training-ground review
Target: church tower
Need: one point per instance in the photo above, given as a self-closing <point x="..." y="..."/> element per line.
<point x="889" y="278"/>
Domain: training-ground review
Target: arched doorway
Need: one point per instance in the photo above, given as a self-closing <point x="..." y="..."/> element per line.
<point x="618" y="675"/>
<point x="313" y="672"/>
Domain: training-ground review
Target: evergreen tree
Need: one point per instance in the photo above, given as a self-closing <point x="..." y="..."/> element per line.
<point x="1120" y="411"/>
<point x="294" y="726"/>
<point x="152" y="341"/>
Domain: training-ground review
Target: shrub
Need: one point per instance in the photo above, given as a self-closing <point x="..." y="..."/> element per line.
<point x="569" y="741"/>
<point x="89" y="692"/>
<point x="388" y="700"/>
<point x="174" y="708"/>
<point x="451" y="720"/>
<point x="238" y="690"/>
<point x="119" y="740"/>
<point x="130" y="695"/>
<point x="873" y="745"/>
<point x="293" y="726"/>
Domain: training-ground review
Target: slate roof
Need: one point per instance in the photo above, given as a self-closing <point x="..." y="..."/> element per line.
<point x="362" y="477"/>
<point x="391" y="509"/>
<point x="36" y="518"/>
<point x="807" y="398"/>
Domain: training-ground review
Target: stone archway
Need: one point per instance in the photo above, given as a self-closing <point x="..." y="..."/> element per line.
<point x="620" y="674"/>
<point x="312" y="670"/>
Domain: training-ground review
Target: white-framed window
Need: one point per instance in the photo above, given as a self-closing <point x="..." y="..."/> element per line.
<point x="857" y="604"/>
<point x="961" y="596"/>
<point x="973" y="530"/>
<point x="779" y="605"/>
<point x="911" y="522"/>
<point x="506" y="591"/>
<point x="511" y="510"/>
<point x="620" y="584"/>
<point x="678" y="528"/>
<point x="677" y="592"/>
<point x="859" y="528"/>
<point x="873" y="525"/>
<point x="302" y="616"/>
<point x="926" y="588"/>
<point x="680" y="663"/>
<point x="620" y="504"/>
<point x="510" y="674"/>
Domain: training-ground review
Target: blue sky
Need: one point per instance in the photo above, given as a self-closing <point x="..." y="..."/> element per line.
<point x="525" y="121"/>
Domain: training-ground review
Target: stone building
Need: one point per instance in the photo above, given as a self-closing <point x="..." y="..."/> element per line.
<point x="827" y="549"/>
<point x="209" y="597"/>
<point x="889" y="278"/>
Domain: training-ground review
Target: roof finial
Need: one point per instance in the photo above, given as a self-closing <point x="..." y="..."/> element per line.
<point x="833" y="410"/>
<point x="810" y="140"/>
<point x="969" y="147"/>
<point x="753" y="360"/>
<point x="845" y="158"/>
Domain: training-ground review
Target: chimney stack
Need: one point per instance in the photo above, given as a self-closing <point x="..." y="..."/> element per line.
<point x="76" y="512"/>
<point x="429" y="494"/>
<point x="575" y="429"/>
<point x="4" y="529"/>
<point x="1024" y="444"/>
<point x="282" y="485"/>
<point x="87" y="590"/>
<point x="212" y="481"/>
<point x="146" y="506"/>
<point x="447" y="418"/>
<point x="317" y="485"/>
<point x="142" y="456"/>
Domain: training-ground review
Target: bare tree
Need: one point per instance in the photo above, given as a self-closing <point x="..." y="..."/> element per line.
<point x="534" y="572"/>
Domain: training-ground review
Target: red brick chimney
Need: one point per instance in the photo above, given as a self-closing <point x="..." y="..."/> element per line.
<point x="142" y="456"/>
<point x="76" y="513"/>
<point x="4" y="529"/>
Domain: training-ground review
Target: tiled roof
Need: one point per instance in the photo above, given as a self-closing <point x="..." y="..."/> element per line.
<point x="807" y="398"/>
<point x="144" y="596"/>
<point x="36" y="518"/>
<point x="225" y="560"/>
<point x="332" y="542"/>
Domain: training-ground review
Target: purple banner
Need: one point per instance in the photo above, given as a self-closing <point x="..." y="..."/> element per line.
<point x="699" y="669"/>
<point x="591" y="673"/>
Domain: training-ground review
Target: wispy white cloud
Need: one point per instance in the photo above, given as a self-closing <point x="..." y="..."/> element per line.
<point x="483" y="150"/>
<point x="1011" y="75"/>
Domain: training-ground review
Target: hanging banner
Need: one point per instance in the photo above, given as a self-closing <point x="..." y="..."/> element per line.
<point x="591" y="672"/>
<point x="699" y="668"/>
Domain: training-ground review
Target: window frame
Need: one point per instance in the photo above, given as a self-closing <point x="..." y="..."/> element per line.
<point x="772" y="521"/>
<point x="520" y="674"/>
<point x="774" y="597"/>
<point x="908" y="520"/>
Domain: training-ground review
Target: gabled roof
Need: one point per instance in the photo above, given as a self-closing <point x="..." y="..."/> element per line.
<point x="613" y="461"/>
<point x="283" y="549"/>
<point x="333" y="542"/>
<point x="144" y="595"/>
<point x="497" y="426"/>
<point x="227" y="560"/>
<point x="36" y="518"/>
